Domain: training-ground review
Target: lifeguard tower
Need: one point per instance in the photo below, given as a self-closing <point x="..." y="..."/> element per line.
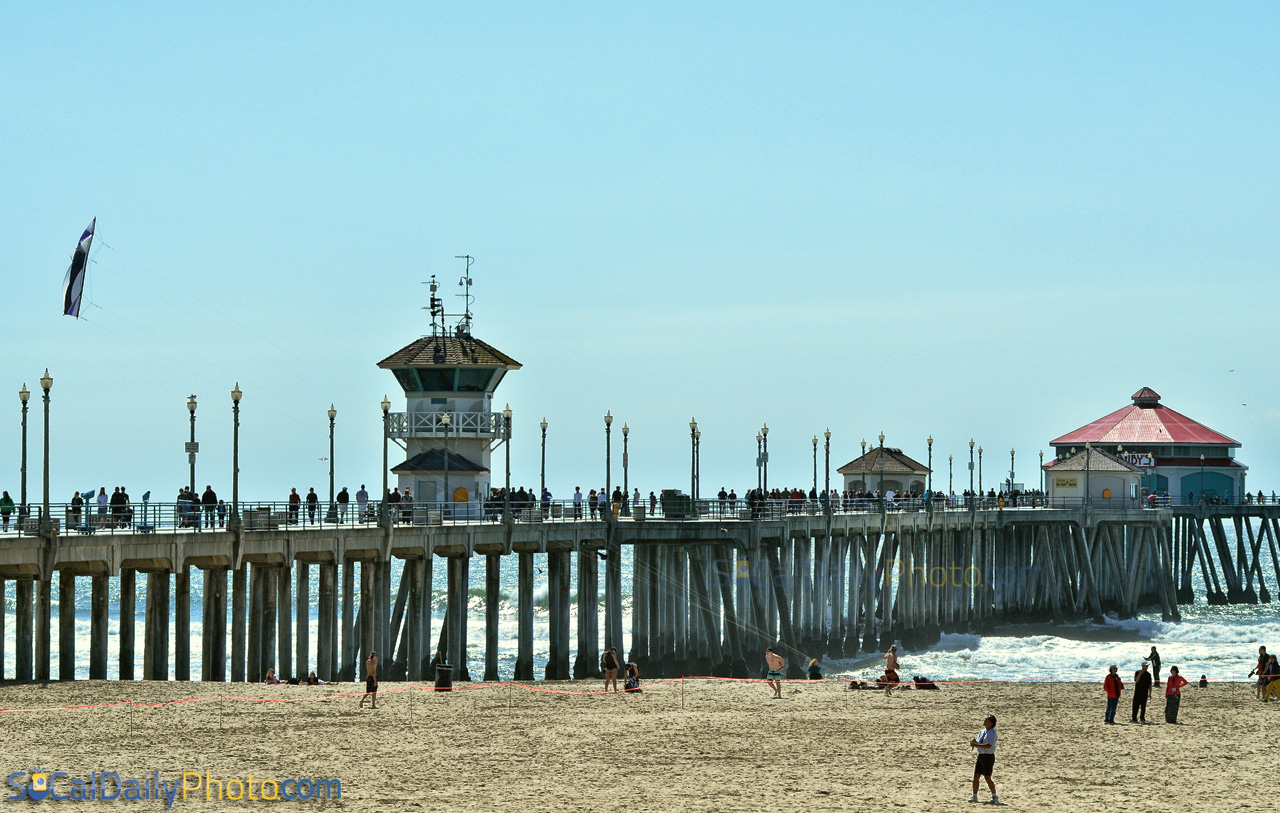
<point x="449" y="425"/>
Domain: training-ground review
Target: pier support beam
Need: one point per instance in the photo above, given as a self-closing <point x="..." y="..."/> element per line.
<point x="587" y="662"/>
<point x="641" y="556"/>
<point x="302" y="619"/>
<point x="182" y="623"/>
<point x="327" y="626"/>
<point x="44" y="631"/>
<point x="524" y="622"/>
<point x="254" y="659"/>
<point x="128" y="621"/>
<point x="155" y="641"/>
<point x="24" y="591"/>
<point x="239" y="633"/>
<point x="367" y="627"/>
<point x="284" y="622"/>
<point x="413" y="623"/>
<point x="558" y="617"/>
<point x="99" y="621"/>
<point x="349" y="636"/>
<point x="66" y="626"/>
<point x="492" y="573"/>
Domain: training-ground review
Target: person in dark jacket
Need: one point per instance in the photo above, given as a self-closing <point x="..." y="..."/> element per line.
<point x="1141" y="694"/>
<point x="1154" y="660"/>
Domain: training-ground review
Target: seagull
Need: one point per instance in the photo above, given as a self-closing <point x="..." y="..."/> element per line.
<point x="324" y="458"/>
<point x="539" y="571"/>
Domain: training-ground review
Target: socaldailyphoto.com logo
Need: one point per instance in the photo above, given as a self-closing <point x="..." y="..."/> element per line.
<point x="39" y="784"/>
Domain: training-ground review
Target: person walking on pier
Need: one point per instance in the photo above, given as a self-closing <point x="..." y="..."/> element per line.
<point x="210" y="502"/>
<point x="1141" y="693"/>
<point x="1173" y="695"/>
<point x="370" y="680"/>
<point x="6" y="509"/>
<point x="985" y="742"/>
<point x="776" y="664"/>
<point x="344" y="500"/>
<point x="577" y="502"/>
<point x="313" y="501"/>
<point x="1113" y="687"/>
<point x="295" y="504"/>
<point x="362" y="503"/>
<point x="1154" y="660"/>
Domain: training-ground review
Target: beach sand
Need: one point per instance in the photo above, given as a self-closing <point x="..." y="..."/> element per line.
<point x="728" y="747"/>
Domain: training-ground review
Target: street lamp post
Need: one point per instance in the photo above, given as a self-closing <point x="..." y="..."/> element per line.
<point x="979" y="470"/>
<point x="46" y="383"/>
<point x="542" y="485"/>
<point x="971" y="493"/>
<point x="950" y="487"/>
<point x="448" y="498"/>
<point x="506" y="442"/>
<point x="24" y="395"/>
<point x="864" y="468"/>
<point x="608" y="464"/>
<point x="880" y="482"/>
<point x="625" y="484"/>
<point x="1088" y="459"/>
<point x="383" y="513"/>
<point x="815" y="464"/>
<point x="333" y="506"/>
<point x="764" y="432"/>
<point x="1042" y="476"/>
<point x="235" y="457"/>
<point x="930" y="467"/>
<point x="191" y="449"/>
<point x="693" y="458"/>
<point x="1011" y="473"/>
<point x="826" y="469"/>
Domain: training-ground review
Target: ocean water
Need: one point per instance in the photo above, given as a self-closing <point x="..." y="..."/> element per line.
<point x="1220" y="642"/>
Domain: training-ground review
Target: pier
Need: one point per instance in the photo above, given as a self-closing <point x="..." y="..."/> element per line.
<point x="710" y="590"/>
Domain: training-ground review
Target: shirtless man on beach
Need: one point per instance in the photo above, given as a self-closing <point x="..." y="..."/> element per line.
<point x="890" y="659"/>
<point x="371" y="679"/>
<point x="776" y="664"/>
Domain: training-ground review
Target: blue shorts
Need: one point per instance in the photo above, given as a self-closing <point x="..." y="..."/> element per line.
<point x="774" y="675"/>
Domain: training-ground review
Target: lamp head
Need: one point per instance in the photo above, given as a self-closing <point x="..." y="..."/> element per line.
<point x="864" y="445"/>
<point x="543" y="424"/>
<point x="236" y="394"/>
<point x="697" y="435"/>
<point x="333" y="413"/>
<point x="693" y="425"/>
<point x="970" y="444"/>
<point x="608" y="418"/>
<point x="444" y="418"/>
<point x="46" y="380"/>
<point x="827" y="434"/>
<point x="930" y="441"/>
<point x="386" y="405"/>
<point x="758" y="438"/>
<point x="191" y="404"/>
<point x="882" y="438"/>
<point x="24" y="394"/>
<point x="1120" y="448"/>
<point x="506" y="412"/>
<point x="815" y="441"/>
<point x="626" y="430"/>
<point x="764" y="430"/>
<point x="979" y="451"/>
<point x="1201" y="458"/>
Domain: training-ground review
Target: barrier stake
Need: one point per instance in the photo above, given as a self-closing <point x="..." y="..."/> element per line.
<point x="682" y="692"/>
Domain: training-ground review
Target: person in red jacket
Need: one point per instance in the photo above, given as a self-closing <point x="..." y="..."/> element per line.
<point x="1173" y="695"/>
<point x="1113" y="687"/>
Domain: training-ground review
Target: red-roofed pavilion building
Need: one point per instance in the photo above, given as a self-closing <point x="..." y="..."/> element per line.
<point x="1180" y="456"/>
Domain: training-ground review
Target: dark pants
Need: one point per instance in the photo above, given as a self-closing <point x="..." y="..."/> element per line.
<point x="1112" y="702"/>
<point x="1171" y="707"/>
<point x="1139" y="707"/>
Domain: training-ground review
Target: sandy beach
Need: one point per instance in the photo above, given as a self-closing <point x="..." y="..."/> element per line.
<point x="703" y="745"/>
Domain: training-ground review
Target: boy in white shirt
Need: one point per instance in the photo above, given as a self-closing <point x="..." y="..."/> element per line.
<point x="985" y="742"/>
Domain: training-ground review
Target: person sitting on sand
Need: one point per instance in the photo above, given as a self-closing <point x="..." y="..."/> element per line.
<point x="271" y="679"/>
<point x="890" y="676"/>
<point x="815" y="670"/>
<point x="312" y="680"/>
<point x="609" y="663"/>
<point x="776" y="663"/>
<point x="985" y="742"/>
<point x="633" y="679"/>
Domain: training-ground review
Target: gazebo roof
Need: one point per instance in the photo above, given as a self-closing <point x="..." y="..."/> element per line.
<point x="432" y="461"/>
<point x="1144" y="422"/>
<point x="1097" y="460"/>
<point x="895" y="462"/>
<point x="461" y="350"/>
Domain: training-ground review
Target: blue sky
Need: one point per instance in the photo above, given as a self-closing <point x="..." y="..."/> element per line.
<point x="967" y="220"/>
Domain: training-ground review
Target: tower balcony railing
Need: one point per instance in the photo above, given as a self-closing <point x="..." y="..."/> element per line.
<point x="431" y="425"/>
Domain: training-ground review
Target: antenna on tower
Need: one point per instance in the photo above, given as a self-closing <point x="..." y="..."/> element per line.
<point x="464" y="327"/>
<point x="436" y="307"/>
